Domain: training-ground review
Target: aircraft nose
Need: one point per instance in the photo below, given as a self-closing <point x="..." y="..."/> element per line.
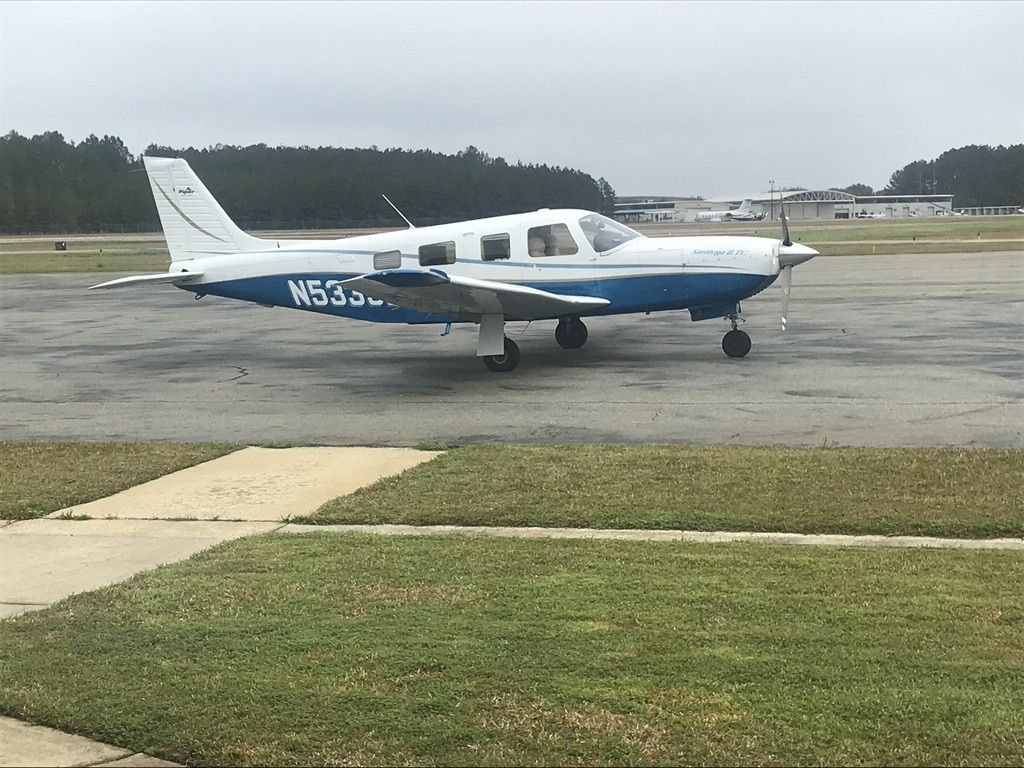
<point x="791" y="255"/>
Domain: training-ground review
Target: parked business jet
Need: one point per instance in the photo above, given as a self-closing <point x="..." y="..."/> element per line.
<point x="546" y="265"/>
<point x="742" y="213"/>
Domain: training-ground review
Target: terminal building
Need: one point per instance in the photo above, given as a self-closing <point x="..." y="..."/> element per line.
<point x="645" y="210"/>
<point x="801" y="205"/>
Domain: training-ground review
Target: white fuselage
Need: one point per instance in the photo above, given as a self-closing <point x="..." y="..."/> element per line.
<point x="643" y="274"/>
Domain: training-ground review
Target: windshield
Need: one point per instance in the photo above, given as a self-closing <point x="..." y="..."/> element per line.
<point x="604" y="233"/>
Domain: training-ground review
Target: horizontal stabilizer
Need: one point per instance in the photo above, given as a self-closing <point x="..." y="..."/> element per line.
<point x="437" y="292"/>
<point x="175" y="278"/>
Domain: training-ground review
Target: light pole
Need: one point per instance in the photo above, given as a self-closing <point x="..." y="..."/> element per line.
<point x="772" y="193"/>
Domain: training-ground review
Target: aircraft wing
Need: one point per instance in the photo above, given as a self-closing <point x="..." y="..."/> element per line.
<point x="162" y="277"/>
<point x="437" y="292"/>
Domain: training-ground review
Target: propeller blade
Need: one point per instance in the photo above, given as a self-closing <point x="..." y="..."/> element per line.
<point x="786" y="240"/>
<point x="787" y="283"/>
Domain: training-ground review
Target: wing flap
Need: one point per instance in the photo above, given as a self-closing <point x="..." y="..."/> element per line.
<point x="437" y="292"/>
<point x="174" y="278"/>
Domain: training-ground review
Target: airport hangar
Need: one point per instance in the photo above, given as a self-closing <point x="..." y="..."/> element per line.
<point x="801" y="205"/>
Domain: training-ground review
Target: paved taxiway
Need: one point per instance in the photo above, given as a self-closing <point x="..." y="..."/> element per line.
<point x="898" y="350"/>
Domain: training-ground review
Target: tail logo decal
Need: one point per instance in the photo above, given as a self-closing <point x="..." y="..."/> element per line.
<point x="187" y="190"/>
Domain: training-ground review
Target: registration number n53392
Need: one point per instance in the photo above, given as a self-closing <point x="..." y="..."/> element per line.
<point x="321" y="293"/>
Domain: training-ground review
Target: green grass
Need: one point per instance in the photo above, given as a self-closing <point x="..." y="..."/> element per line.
<point x="957" y="228"/>
<point x="37" y="478"/>
<point x="940" y="492"/>
<point x="90" y="260"/>
<point x="906" y="247"/>
<point x="329" y="649"/>
<point x="953" y="228"/>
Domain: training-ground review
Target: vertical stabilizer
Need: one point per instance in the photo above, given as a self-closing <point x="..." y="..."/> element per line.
<point x="194" y="223"/>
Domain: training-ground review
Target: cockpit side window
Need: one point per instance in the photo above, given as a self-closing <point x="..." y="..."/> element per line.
<point x="550" y="240"/>
<point x="604" y="234"/>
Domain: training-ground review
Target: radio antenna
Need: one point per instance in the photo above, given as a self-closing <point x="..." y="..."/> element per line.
<point x="411" y="225"/>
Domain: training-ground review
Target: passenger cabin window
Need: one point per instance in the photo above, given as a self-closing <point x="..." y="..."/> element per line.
<point x="387" y="260"/>
<point x="495" y="247"/>
<point x="437" y="253"/>
<point x="550" y="240"/>
<point x="604" y="233"/>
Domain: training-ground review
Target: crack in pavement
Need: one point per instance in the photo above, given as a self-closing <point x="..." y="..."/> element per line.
<point x="242" y="373"/>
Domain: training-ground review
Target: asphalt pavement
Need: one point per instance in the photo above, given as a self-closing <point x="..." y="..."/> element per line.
<point x="923" y="350"/>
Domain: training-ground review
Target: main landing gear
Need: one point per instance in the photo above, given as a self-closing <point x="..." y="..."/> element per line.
<point x="505" y="362"/>
<point x="570" y="333"/>
<point x="735" y="343"/>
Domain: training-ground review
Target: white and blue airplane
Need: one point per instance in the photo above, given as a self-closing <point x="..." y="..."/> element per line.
<point x="546" y="265"/>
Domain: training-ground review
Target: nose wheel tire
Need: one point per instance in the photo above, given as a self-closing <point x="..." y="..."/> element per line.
<point x="506" y="362"/>
<point x="736" y="343"/>
<point x="571" y="333"/>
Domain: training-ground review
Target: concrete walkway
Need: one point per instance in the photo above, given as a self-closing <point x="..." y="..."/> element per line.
<point x="45" y="560"/>
<point x="255" y="484"/>
<point x="27" y="746"/>
<point x="48" y="560"/>
<point x="639" y="534"/>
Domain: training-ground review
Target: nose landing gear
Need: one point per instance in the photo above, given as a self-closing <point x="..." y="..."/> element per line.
<point x="735" y="343"/>
<point x="570" y="333"/>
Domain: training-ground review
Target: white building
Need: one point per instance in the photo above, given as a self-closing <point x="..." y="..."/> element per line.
<point x="801" y="205"/>
<point x="643" y="210"/>
<point x="904" y="206"/>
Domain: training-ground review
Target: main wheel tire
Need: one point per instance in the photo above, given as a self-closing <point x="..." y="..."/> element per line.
<point x="562" y="333"/>
<point x="571" y="333"/>
<point x="506" y="362"/>
<point x="736" y="343"/>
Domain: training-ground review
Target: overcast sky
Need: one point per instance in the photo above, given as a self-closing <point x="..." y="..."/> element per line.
<point x="659" y="98"/>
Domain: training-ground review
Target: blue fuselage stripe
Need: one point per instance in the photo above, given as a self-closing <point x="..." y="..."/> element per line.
<point x="647" y="293"/>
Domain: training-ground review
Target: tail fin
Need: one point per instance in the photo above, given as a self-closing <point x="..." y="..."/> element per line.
<point x="194" y="224"/>
<point x="745" y="205"/>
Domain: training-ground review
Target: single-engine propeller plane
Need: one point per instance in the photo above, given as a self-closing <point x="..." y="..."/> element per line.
<point x="546" y="265"/>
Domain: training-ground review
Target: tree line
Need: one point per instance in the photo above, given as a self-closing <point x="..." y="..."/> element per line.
<point x="48" y="184"/>
<point x="976" y="175"/>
